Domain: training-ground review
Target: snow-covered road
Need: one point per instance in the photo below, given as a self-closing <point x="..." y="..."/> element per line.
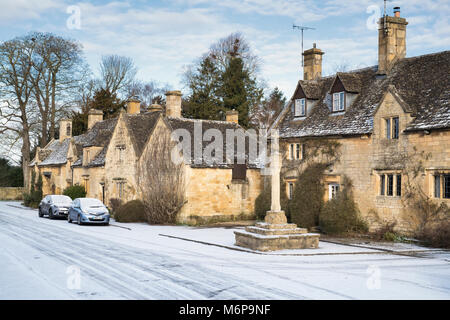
<point x="41" y="259"/>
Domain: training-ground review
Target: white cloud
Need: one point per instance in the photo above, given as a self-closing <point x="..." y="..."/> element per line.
<point x="20" y="10"/>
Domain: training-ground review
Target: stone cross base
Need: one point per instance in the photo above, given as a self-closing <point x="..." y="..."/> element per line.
<point x="276" y="234"/>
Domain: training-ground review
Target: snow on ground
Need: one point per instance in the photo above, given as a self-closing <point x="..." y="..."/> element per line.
<point x="38" y="257"/>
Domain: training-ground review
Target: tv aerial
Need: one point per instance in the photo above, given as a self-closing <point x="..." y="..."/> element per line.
<point x="302" y="29"/>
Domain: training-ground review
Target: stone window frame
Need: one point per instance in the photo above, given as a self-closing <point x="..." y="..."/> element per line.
<point x="333" y="190"/>
<point x="443" y="177"/>
<point x="296" y="151"/>
<point x="384" y="184"/>
<point x="392" y="128"/>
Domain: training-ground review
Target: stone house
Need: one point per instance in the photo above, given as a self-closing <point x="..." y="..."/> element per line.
<point x="379" y="115"/>
<point x="105" y="160"/>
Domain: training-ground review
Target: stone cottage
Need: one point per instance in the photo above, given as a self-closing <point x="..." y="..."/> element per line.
<point x="381" y="116"/>
<point x="106" y="158"/>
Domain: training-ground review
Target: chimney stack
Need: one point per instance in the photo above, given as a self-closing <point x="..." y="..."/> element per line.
<point x="312" y="68"/>
<point x="94" y="116"/>
<point x="65" y="129"/>
<point x="133" y="105"/>
<point x="173" y="104"/>
<point x="391" y="41"/>
<point x="232" y="116"/>
<point x="154" y="108"/>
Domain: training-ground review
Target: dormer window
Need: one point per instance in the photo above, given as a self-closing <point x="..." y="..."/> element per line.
<point x="300" y="107"/>
<point x="338" y="101"/>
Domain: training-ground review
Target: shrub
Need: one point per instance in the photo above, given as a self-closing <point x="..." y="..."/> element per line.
<point x="114" y="204"/>
<point x="437" y="235"/>
<point x="75" y="191"/>
<point x="386" y="231"/>
<point x="307" y="201"/>
<point x="341" y="214"/>
<point x="132" y="211"/>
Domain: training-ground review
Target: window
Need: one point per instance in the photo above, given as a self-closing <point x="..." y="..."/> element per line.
<point x="392" y="128"/>
<point x="395" y="128"/>
<point x="382" y="184"/>
<point x="239" y="172"/>
<point x="390" y="185"/>
<point x="447" y="186"/>
<point x="295" y="151"/>
<point x="333" y="189"/>
<point x="388" y="128"/>
<point x="121" y="189"/>
<point x="300" y="107"/>
<point x="290" y="190"/>
<point x="338" y="101"/>
<point x="442" y="186"/>
<point x="437" y="186"/>
<point x="398" y="191"/>
<point x="68" y="131"/>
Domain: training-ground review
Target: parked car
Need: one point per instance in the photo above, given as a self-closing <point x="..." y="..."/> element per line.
<point x="55" y="206"/>
<point x="88" y="210"/>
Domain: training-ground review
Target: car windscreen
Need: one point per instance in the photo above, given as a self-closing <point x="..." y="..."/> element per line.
<point x="61" y="200"/>
<point x="91" y="203"/>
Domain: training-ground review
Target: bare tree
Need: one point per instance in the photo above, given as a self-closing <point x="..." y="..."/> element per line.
<point x="116" y="72"/>
<point x="161" y="180"/>
<point x="58" y="71"/>
<point x="16" y="113"/>
<point x="232" y="46"/>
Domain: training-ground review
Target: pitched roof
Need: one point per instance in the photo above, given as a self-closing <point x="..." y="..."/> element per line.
<point x="222" y="127"/>
<point x="422" y="83"/>
<point x="140" y="127"/>
<point x="55" y="153"/>
<point x="99" y="136"/>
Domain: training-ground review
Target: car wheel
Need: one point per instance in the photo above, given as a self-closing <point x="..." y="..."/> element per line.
<point x="68" y="219"/>
<point x="50" y="214"/>
<point x="106" y="224"/>
<point x="79" y="220"/>
<point x="40" y="213"/>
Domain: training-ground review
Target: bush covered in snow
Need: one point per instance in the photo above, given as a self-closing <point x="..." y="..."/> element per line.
<point x="132" y="211"/>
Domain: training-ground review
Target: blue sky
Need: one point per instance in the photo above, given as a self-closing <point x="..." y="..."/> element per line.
<point x="164" y="36"/>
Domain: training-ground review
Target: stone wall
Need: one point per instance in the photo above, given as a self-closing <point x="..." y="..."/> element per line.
<point x="365" y="158"/>
<point x="11" y="193"/>
<point x="213" y="196"/>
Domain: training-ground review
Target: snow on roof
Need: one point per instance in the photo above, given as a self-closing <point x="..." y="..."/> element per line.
<point x="421" y="82"/>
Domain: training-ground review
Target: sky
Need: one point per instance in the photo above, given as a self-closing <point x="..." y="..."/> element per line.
<point x="163" y="37"/>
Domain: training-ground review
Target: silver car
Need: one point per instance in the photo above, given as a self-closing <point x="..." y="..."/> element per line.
<point x="88" y="211"/>
<point x="55" y="206"/>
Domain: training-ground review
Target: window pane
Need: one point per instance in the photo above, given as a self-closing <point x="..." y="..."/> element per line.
<point x="447" y="186"/>
<point x="395" y="129"/>
<point x="291" y="190"/>
<point x="341" y="100"/>
<point x="297" y="151"/>
<point x="335" y="101"/>
<point x="437" y="186"/>
<point x="291" y="152"/>
<point x="382" y="184"/>
<point x="388" y="128"/>
<point x="390" y="185"/>
<point x="399" y="185"/>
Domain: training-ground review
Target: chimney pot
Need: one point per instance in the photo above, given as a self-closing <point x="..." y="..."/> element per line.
<point x="94" y="116"/>
<point x="154" y="108"/>
<point x="133" y="105"/>
<point x="173" y="103"/>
